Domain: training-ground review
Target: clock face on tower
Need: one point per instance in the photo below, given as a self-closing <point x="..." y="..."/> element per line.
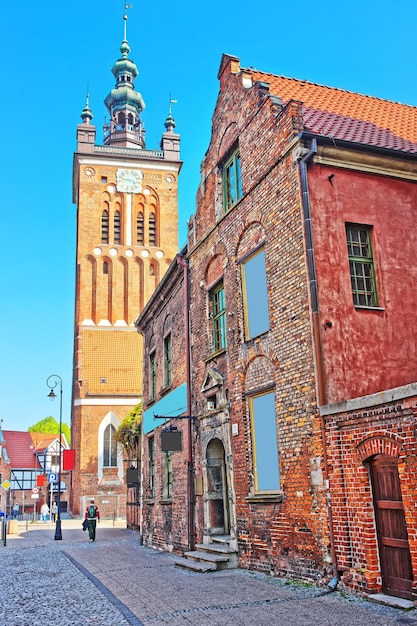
<point x="129" y="181"/>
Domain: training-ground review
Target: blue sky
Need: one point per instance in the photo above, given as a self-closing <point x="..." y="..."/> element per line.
<point x="51" y="51"/>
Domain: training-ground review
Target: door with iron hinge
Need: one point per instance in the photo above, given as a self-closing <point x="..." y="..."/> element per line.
<point x="394" y="549"/>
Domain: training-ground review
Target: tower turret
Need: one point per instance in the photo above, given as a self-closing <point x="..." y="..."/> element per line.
<point x="124" y="104"/>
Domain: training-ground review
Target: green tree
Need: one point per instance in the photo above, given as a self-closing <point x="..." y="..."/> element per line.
<point x="50" y="425"/>
<point x="128" y="433"/>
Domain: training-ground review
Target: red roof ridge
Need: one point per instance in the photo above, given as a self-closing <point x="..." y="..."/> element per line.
<point x="339" y="114"/>
<point x="301" y="81"/>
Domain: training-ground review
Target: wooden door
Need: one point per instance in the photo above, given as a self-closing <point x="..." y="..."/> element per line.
<point x="394" y="550"/>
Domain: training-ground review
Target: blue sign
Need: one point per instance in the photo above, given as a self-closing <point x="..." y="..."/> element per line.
<point x="52" y="478"/>
<point x="174" y="403"/>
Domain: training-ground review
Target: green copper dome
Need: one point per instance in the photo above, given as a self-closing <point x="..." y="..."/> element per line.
<point x="124" y="104"/>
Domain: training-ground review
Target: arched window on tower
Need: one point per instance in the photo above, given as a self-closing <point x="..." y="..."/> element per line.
<point x="105" y="267"/>
<point x="139" y="229"/>
<point x="105" y="227"/>
<point x="121" y="121"/>
<point x="152" y="229"/>
<point x="117" y="231"/>
<point x="109" y="447"/>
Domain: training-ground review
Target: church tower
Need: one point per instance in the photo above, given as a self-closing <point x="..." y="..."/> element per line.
<point x="127" y="235"/>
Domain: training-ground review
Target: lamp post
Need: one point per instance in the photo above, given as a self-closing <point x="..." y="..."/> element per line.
<point x="53" y="381"/>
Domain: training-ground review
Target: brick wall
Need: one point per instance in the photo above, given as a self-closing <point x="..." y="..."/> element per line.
<point x="165" y="519"/>
<point x="287" y="534"/>
<point x="354" y="438"/>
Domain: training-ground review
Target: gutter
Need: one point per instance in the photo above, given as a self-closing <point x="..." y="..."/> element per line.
<point x="305" y="199"/>
<point x="190" y="474"/>
<point x="356" y="145"/>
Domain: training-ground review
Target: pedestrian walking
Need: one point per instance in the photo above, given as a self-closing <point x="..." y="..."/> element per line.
<point x="44" y="512"/>
<point x="54" y="511"/>
<point x="92" y="515"/>
<point x="15" y="510"/>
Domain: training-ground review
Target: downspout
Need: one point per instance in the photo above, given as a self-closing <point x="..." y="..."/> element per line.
<point x="190" y="474"/>
<point x="305" y="198"/>
<point x="142" y="481"/>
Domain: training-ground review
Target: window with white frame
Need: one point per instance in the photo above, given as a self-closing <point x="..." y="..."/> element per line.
<point x="109" y="447"/>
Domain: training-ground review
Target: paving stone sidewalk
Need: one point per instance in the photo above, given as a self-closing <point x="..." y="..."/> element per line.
<point x="117" y="582"/>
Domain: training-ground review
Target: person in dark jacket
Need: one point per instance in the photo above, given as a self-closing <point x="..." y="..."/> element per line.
<point x="92" y="515"/>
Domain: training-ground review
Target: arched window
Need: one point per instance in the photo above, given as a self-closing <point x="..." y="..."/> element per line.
<point x="117" y="234"/>
<point x="121" y="121"/>
<point x="152" y="229"/>
<point x="109" y="447"/>
<point x="105" y="227"/>
<point x="105" y="267"/>
<point x="139" y="229"/>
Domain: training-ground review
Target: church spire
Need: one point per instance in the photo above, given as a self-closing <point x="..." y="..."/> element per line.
<point x="86" y="114"/>
<point x="124" y="104"/>
<point x="170" y="122"/>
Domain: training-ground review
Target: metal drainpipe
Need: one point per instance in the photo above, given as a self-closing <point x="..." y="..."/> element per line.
<point x="317" y="342"/>
<point x="190" y="475"/>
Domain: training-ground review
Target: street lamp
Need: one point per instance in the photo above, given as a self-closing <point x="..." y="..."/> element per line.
<point x="53" y="381"/>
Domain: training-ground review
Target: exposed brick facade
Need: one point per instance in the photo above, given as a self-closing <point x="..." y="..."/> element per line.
<point x="320" y="355"/>
<point x="164" y="516"/>
<point x="356" y="435"/>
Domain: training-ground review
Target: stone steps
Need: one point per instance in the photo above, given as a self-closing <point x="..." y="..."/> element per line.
<point x="196" y="566"/>
<point x="209" y="557"/>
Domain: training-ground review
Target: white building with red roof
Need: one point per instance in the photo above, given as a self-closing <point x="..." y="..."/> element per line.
<point x="28" y="460"/>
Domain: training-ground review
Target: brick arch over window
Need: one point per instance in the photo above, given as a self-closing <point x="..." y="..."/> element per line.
<point x="261" y="424"/>
<point x="228" y="139"/>
<point x="214" y="269"/>
<point x="389" y="445"/>
<point x="251" y="238"/>
<point x="167" y="324"/>
<point x="260" y="373"/>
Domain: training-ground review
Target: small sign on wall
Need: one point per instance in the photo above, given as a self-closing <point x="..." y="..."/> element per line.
<point x="171" y="441"/>
<point x="132" y="477"/>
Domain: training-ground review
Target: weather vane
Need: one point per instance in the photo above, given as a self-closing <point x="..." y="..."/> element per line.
<point x="171" y="102"/>
<point x="127" y="6"/>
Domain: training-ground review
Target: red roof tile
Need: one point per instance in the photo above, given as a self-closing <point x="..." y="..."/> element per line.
<point x="345" y="115"/>
<point x="20" y="448"/>
<point x="42" y="441"/>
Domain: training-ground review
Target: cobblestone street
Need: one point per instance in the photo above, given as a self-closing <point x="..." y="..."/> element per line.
<point x="116" y="582"/>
